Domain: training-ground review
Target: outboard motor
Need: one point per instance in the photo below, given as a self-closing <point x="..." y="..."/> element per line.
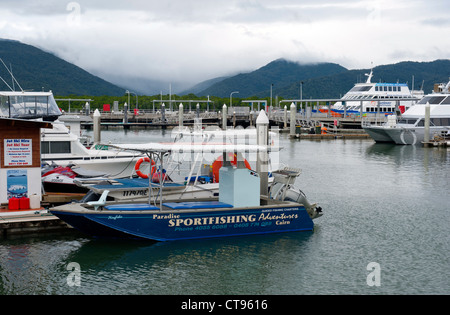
<point x="283" y="189"/>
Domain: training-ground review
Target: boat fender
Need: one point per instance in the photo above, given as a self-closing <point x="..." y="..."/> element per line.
<point x="138" y="166"/>
<point x="156" y="177"/>
<point x="217" y="164"/>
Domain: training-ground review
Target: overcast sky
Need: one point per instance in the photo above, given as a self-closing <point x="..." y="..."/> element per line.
<point x="195" y="40"/>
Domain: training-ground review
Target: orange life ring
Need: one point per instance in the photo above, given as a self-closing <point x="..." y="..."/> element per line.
<point x="219" y="162"/>
<point x="138" y="166"/>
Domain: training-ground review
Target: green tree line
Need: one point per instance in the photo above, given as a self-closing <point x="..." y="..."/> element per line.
<point x="145" y="102"/>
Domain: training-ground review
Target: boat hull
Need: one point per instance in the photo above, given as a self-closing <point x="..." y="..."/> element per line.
<point x="378" y="134"/>
<point x="402" y="135"/>
<point x="181" y="224"/>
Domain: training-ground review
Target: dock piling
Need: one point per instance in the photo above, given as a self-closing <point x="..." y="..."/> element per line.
<point x="293" y="119"/>
<point x="180" y="115"/>
<point x="224" y="117"/>
<point x="97" y="126"/>
<point x="262" y="159"/>
<point x="426" y="137"/>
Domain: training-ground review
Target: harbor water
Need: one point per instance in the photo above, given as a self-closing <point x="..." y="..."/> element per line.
<point x="385" y="230"/>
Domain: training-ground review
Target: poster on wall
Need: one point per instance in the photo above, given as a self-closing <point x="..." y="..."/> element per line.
<point x="18" y="152"/>
<point x="17" y="183"/>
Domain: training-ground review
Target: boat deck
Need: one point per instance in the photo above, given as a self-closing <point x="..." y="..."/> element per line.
<point x="132" y="183"/>
<point x="185" y="205"/>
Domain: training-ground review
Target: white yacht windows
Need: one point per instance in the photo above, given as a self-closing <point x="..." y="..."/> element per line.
<point x="55" y="147"/>
<point x="405" y="121"/>
<point x="439" y="121"/>
<point x="4" y="106"/>
<point x="361" y="88"/>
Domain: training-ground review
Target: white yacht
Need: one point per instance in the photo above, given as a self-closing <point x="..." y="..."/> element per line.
<point x="59" y="145"/>
<point x="381" y="98"/>
<point x="410" y="128"/>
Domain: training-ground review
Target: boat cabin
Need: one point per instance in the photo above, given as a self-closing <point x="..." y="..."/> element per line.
<point x="28" y="105"/>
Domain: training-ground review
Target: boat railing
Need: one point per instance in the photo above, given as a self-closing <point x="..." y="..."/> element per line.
<point x="376" y="120"/>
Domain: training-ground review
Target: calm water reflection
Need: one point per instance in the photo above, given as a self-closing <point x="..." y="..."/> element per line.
<point x="382" y="203"/>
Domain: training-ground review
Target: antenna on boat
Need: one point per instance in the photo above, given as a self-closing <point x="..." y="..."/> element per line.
<point x="12" y="76"/>
<point x="369" y="75"/>
<point x="6" y="84"/>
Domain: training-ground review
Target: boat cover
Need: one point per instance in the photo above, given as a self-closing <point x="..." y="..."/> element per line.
<point x="131" y="207"/>
<point x="126" y="183"/>
<point x="196" y="205"/>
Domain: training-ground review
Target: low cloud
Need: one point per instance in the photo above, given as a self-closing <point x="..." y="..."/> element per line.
<point x="191" y="41"/>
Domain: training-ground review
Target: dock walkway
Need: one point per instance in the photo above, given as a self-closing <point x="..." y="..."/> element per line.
<point x="28" y="221"/>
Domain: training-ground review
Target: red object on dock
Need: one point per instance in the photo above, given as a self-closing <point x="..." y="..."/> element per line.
<point x="24" y="203"/>
<point x="13" y="203"/>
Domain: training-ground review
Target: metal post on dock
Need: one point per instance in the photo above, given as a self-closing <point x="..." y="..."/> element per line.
<point x="224" y="117"/>
<point x="308" y="111"/>
<point x="180" y="115"/>
<point x="262" y="158"/>
<point x="163" y="114"/>
<point x="125" y="114"/>
<point x="97" y="126"/>
<point x="293" y="119"/>
<point x="285" y="116"/>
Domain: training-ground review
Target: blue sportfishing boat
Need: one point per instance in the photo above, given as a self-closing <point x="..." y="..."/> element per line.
<point x="243" y="206"/>
<point x="186" y="220"/>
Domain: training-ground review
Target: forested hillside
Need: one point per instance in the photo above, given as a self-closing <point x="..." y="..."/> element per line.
<point x="280" y="73"/>
<point x="38" y="70"/>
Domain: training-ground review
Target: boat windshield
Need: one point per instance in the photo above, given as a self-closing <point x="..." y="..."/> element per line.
<point x="432" y="100"/>
<point x="446" y="101"/>
<point x="28" y="105"/>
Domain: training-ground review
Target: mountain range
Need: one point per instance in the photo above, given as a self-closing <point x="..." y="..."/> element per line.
<point x="36" y="69"/>
<point x="324" y="80"/>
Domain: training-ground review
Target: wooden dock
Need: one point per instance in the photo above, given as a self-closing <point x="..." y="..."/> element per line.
<point x="31" y="221"/>
<point x="330" y="136"/>
<point x="442" y="143"/>
<point x="277" y="117"/>
<point x="28" y="222"/>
